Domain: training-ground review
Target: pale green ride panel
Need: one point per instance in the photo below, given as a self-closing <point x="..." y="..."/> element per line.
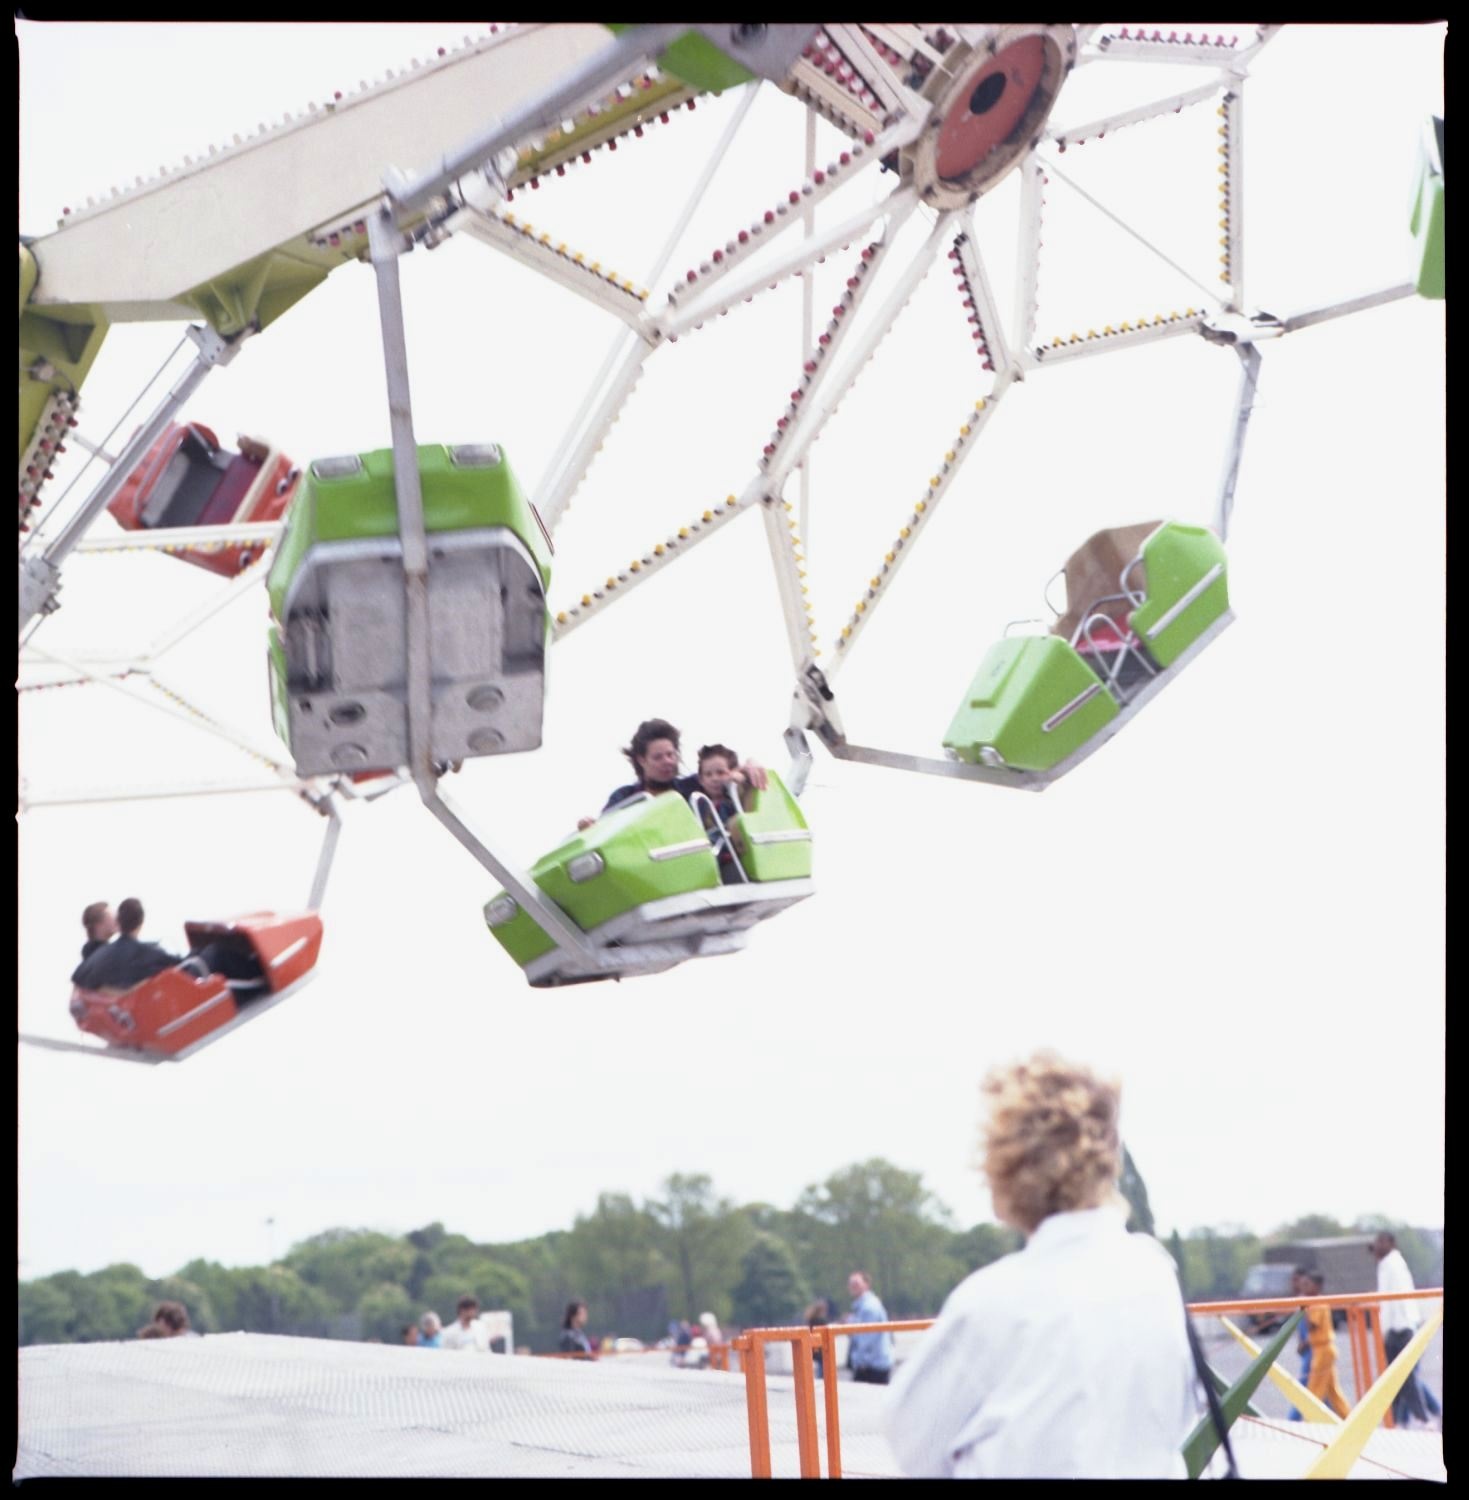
<point x="1032" y="703"/>
<point x="649" y="849"/>
<point x="1187" y="589"/>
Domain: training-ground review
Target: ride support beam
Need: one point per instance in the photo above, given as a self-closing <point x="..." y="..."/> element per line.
<point x="387" y="244"/>
<point x="624" y="55"/>
<point x="40" y="577"/>
<point x="1249" y="377"/>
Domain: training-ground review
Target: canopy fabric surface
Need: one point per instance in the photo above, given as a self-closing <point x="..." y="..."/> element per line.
<point x="260" y="1405"/>
<point x="248" y="1404"/>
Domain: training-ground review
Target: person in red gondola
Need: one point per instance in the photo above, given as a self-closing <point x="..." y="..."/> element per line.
<point x="100" y="926"/>
<point x="128" y="959"/>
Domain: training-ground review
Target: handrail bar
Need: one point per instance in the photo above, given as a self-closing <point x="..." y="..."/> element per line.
<point x="752" y="1342"/>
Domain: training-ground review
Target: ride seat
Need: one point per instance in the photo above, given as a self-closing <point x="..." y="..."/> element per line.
<point x="187" y="483"/>
<point x="1093" y="574"/>
<point x="224" y="504"/>
<point x="338" y="652"/>
<point x="1187" y="589"/>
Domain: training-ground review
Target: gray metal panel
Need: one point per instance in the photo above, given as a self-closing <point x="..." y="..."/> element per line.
<point x="346" y="634"/>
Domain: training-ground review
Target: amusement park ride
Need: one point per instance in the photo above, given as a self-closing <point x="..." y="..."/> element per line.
<point x="408" y="587"/>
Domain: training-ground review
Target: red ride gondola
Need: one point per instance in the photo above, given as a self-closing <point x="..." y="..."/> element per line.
<point x="175" y="1013"/>
<point x="187" y="479"/>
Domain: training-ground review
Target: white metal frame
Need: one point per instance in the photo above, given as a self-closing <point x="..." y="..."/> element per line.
<point x="464" y="191"/>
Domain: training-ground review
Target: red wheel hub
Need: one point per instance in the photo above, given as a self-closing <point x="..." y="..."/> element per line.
<point x="996" y="100"/>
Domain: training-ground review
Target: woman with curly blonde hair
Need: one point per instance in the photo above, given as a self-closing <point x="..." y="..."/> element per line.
<point x="1069" y="1358"/>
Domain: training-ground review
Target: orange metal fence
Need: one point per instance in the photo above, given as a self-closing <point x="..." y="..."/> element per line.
<point x="1365" y="1339"/>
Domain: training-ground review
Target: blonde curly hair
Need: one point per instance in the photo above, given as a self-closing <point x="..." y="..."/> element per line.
<point x="1051" y="1143"/>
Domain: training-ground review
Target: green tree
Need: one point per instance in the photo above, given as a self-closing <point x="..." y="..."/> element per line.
<point x="703" y="1237"/>
<point x="770" y="1291"/>
<point x="195" y="1299"/>
<point x="496" y="1286"/>
<point x="46" y="1312"/>
<point x="108" y="1304"/>
<point x="343" y="1263"/>
<point x="274" y="1299"/>
<point x="218" y="1285"/>
<point x="384" y="1310"/>
<point x="1135" y="1190"/>
<point x="1175" y="1249"/>
<point x="877" y="1217"/>
<point x="612" y="1258"/>
<point x="1309" y="1227"/>
<point x="983" y="1244"/>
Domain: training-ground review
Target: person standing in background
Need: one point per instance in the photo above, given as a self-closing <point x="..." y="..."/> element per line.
<point x="869" y="1354"/>
<point x="1069" y="1358"/>
<point x="1400" y="1321"/>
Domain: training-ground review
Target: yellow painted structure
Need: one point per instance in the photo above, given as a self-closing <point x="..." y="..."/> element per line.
<point x="1311" y="1407"/>
<point x="1345" y="1447"/>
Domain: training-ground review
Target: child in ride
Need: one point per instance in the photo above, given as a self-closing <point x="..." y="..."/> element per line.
<point x="720" y="779"/>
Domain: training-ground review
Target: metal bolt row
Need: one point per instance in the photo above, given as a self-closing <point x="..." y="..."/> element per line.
<point x="1188" y="39"/>
<point x="798" y="558"/>
<point x="199" y="714"/>
<point x="663" y="552"/>
<point x="573" y="257"/>
<point x="922" y="509"/>
<point x="1159" y="320"/>
<point x="561" y="140"/>
<point x="1226" y="274"/>
<point x="287" y="122"/>
<point x="817" y="354"/>
<point x="813" y="190"/>
<point x="45" y="446"/>
<point x="824" y="53"/>
<point x="966" y="292"/>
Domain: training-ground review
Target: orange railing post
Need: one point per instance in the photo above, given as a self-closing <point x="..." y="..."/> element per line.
<point x="833" y="1420"/>
<point x="752" y="1352"/>
<point x="807" y="1444"/>
<point x="1360" y="1381"/>
<point x="751" y="1347"/>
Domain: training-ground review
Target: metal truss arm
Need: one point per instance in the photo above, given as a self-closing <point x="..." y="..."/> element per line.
<point x="1249" y="376"/>
<point x="624" y="54"/>
<point x="40" y="577"/>
<point x="570" y="464"/>
<point x="1351" y="305"/>
<point x="327" y="808"/>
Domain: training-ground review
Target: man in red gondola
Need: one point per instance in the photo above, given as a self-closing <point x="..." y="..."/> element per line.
<point x="100" y="926"/>
<point x="127" y="960"/>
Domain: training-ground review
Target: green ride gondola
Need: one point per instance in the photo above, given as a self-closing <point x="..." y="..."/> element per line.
<point x="1427" y="222"/>
<point x="644" y="878"/>
<point x="1040" y="702"/>
<point x="338" y="659"/>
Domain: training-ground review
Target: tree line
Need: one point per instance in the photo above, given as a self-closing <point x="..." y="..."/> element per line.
<point x="637" y="1264"/>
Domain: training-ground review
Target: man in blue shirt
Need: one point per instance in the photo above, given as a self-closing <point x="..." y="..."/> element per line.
<point x="870" y="1354"/>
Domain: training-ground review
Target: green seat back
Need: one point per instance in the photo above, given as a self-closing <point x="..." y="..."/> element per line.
<point x="773" y="839"/>
<point x="650" y="850"/>
<point x="1427" y="222"/>
<point x="1187" y="589"/>
<point x="1033" y="701"/>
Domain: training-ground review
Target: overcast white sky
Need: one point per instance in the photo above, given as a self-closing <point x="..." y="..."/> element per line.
<point x="1236" y="905"/>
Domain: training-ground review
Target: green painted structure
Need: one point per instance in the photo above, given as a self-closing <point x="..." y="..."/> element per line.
<point x="337" y="650"/>
<point x="1427" y="222"/>
<point x="650" y="849"/>
<point x="1034" y="701"/>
